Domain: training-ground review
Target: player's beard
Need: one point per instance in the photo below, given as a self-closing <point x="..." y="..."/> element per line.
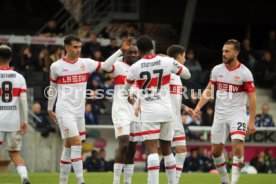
<point x="227" y="61"/>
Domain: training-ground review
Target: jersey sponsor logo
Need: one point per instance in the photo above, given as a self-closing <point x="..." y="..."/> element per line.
<point x="176" y="89"/>
<point x="229" y="87"/>
<point x="73" y="79"/>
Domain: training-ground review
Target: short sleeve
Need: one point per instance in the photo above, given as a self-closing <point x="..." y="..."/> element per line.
<point x="175" y="67"/>
<point x="94" y="65"/>
<point x="213" y="76"/>
<point x="53" y="73"/>
<point x="248" y="83"/>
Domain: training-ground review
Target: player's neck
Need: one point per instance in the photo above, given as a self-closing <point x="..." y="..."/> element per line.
<point x="233" y="65"/>
<point x="69" y="58"/>
<point x="4" y="65"/>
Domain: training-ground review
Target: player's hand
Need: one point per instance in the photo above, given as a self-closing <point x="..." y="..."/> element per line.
<point x="53" y="116"/>
<point x="24" y="128"/>
<point x="251" y="128"/>
<point x="197" y="112"/>
<point x="190" y="112"/>
<point x="126" y="44"/>
<point x="137" y="110"/>
<point x="132" y="99"/>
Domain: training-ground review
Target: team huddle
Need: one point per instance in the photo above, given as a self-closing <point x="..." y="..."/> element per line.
<point x="147" y="105"/>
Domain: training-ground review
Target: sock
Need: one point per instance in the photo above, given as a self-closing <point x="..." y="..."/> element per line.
<point x="65" y="165"/>
<point x="77" y="164"/>
<point x="221" y="167"/>
<point x="170" y="166"/>
<point x="153" y="168"/>
<point x="179" y="159"/>
<point x="22" y="171"/>
<point x="128" y="172"/>
<point x="117" y="169"/>
<point x="236" y="169"/>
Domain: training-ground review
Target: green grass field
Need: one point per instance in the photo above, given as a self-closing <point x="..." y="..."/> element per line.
<point x="138" y="178"/>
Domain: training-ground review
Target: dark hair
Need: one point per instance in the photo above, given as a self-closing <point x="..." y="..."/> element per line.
<point x="144" y="43"/>
<point x="5" y="52"/>
<point x="236" y="44"/>
<point x="70" y="38"/>
<point x="174" y="50"/>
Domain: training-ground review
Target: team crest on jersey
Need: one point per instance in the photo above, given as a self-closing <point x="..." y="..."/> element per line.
<point x="67" y="131"/>
<point x="82" y="67"/>
<point x="236" y="78"/>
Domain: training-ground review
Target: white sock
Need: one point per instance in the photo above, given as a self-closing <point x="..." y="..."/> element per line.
<point x="170" y="166"/>
<point x="22" y="171"/>
<point x="179" y="159"/>
<point x="153" y="168"/>
<point x="128" y="172"/>
<point x="221" y="167"/>
<point x="77" y="164"/>
<point x="65" y="165"/>
<point x="117" y="169"/>
<point x="236" y="169"/>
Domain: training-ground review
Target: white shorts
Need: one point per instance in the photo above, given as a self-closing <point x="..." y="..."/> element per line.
<point x="71" y="127"/>
<point x="220" y="130"/>
<point x="179" y="137"/>
<point x="12" y="140"/>
<point x="157" y="130"/>
<point x="126" y="127"/>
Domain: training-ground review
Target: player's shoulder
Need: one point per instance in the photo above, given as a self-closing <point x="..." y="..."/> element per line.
<point x="244" y="70"/>
<point x="218" y="67"/>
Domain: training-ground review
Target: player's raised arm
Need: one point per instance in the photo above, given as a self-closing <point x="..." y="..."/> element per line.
<point x="181" y="70"/>
<point x="108" y="64"/>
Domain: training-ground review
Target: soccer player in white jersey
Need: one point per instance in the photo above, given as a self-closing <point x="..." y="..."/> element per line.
<point x="179" y="139"/>
<point x="233" y="82"/>
<point x="126" y="124"/>
<point x="13" y="111"/>
<point x="69" y="76"/>
<point x="152" y="74"/>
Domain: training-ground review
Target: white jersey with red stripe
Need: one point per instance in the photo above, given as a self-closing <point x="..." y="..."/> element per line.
<point x="153" y="74"/>
<point x="11" y="85"/>
<point x="176" y="99"/>
<point x="121" y="108"/>
<point x="71" y="79"/>
<point x="232" y="87"/>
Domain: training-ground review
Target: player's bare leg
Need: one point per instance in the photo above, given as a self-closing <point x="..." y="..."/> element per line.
<point x="238" y="153"/>
<point x="123" y="142"/>
<point x="153" y="161"/>
<point x="169" y="160"/>
<point x="129" y="162"/>
<point x="76" y="156"/>
<point x="180" y="156"/>
<point x="20" y="166"/>
<point x="219" y="161"/>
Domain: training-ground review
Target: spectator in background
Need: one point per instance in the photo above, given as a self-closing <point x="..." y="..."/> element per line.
<point x="205" y="163"/>
<point x="56" y="54"/>
<point x="192" y="163"/>
<point x="247" y="54"/>
<point x="111" y="48"/>
<point x="102" y="161"/>
<point x="270" y="43"/>
<point x="97" y="55"/>
<point x="84" y="31"/>
<point x="264" y="119"/>
<point x="91" y="46"/>
<point x="259" y="163"/>
<point x="92" y="163"/>
<point x="195" y="68"/>
<point x="51" y="30"/>
<point x="207" y="116"/>
<point x="43" y="63"/>
<point x="90" y="119"/>
<point x="42" y="122"/>
<point x="265" y="70"/>
<point x="26" y="60"/>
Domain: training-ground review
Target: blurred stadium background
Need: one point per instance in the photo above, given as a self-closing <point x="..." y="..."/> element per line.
<point x="35" y="31"/>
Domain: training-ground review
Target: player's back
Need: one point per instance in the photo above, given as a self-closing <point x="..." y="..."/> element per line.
<point x="11" y="85"/>
<point x="153" y="75"/>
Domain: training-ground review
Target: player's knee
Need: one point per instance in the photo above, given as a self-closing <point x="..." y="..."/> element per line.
<point x="180" y="149"/>
<point x="216" y="153"/>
